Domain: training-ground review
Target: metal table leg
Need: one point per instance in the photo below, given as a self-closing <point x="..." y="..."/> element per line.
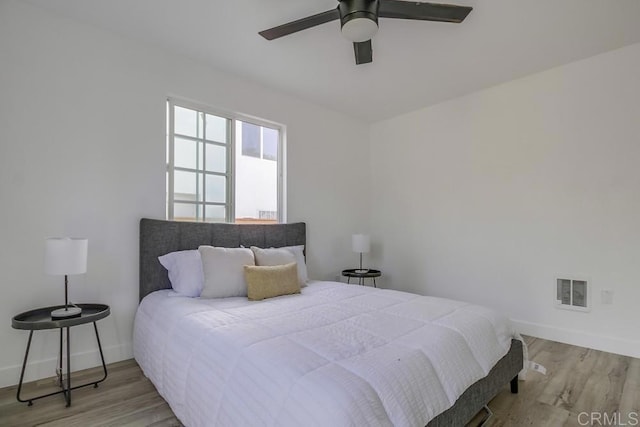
<point x="24" y="365"/>
<point x="66" y="391"/>
<point x="59" y="372"/>
<point x="104" y="366"/>
<point x="67" y="395"/>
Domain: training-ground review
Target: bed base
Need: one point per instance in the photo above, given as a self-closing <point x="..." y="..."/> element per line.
<point x="476" y="397"/>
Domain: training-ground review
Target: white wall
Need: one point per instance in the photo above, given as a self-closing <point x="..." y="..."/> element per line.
<point x="487" y="198"/>
<point x="82" y="153"/>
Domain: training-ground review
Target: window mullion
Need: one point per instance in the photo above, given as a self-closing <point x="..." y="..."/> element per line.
<point x="261" y="142"/>
<point x="204" y="167"/>
<point x="170" y="163"/>
<point x="231" y="161"/>
<point x="281" y="190"/>
<point x="193" y="138"/>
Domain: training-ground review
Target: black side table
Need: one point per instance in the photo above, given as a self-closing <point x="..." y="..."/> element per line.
<point x="39" y="319"/>
<point x="361" y="275"/>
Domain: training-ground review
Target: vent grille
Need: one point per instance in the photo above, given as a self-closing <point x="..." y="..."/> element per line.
<point x="572" y="293"/>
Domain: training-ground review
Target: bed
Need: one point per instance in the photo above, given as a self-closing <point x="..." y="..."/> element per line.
<point x="335" y="354"/>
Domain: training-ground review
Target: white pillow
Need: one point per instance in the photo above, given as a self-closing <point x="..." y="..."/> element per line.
<point x="298" y="252"/>
<point x="281" y="256"/>
<point x="224" y="271"/>
<point x="273" y="256"/>
<point x="185" y="271"/>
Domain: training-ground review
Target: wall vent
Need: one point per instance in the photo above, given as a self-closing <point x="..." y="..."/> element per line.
<point x="572" y="294"/>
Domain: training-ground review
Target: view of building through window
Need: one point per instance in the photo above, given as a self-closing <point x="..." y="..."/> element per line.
<point x="256" y="169"/>
<point x="221" y="169"/>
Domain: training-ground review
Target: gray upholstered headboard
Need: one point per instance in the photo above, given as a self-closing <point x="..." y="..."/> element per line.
<point x="159" y="237"/>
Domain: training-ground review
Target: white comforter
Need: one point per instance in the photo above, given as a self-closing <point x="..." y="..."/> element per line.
<point x="336" y="355"/>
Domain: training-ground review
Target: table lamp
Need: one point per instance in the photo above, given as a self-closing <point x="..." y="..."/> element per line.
<point x="66" y="256"/>
<point x="361" y="243"/>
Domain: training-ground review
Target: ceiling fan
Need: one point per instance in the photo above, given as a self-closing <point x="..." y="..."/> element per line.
<point x="359" y="20"/>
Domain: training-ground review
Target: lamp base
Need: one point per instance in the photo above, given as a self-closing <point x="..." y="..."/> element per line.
<point x="66" y="313"/>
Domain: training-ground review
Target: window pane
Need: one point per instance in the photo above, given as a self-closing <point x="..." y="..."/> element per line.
<point x="256" y="183"/>
<point x="187" y="186"/>
<point x="270" y="144"/>
<point x="215" y="213"/>
<point x="216" y="128"/>
<point x="187" y="212"/>
<point x="216" y="158"/>
<point x="184" y="152"/>
<point x="216" y="188"/>
<point x="250" y="140"/>
<point x="187" y="122"/>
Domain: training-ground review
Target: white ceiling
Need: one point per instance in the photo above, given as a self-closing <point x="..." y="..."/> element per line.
<point x="416" y="63"/>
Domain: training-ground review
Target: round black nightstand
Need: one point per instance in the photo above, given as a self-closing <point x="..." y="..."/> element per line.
<point x="40" y="319"/>
<point x="361" y="275"/>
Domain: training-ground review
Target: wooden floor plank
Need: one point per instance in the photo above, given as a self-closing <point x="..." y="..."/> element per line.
<point x="630" y="399"/>
<point x="567" y="380"/>
<point x="577" y="379"/>
<point x="602" y="391"/>
<point x="118" y="413"/>
<point x="125" y="383"/>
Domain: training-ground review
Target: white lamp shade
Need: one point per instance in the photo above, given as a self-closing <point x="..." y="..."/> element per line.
<point x="361" y="243"/>
<point x="65" y="255"/>
<point x="359" y="29"/>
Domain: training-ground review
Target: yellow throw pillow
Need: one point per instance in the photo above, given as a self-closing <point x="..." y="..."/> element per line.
<point x="271" y="281"/>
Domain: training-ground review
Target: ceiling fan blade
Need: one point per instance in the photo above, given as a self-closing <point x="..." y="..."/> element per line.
<point x="300" y="24"/>
<point x="423" y="11"/>
<point x="364" y="52"/>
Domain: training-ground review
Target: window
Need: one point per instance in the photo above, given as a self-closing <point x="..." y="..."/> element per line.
<point x="206" y="181"/>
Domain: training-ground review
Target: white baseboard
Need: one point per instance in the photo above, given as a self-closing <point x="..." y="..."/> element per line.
<point x="609" y="344"/>
<point x="44" y="368"/>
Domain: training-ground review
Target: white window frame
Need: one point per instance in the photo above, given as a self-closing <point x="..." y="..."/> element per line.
<point x="231" y="157"/>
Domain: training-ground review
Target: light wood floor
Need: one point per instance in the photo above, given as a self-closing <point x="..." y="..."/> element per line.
<point x="578" y="380"/>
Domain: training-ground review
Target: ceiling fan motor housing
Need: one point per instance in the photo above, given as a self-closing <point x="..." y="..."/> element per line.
<point x="360" y="18"/>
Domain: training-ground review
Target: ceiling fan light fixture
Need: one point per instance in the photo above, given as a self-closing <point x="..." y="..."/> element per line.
<point x="359" y="27"/>
<point x="359" y="20"/>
